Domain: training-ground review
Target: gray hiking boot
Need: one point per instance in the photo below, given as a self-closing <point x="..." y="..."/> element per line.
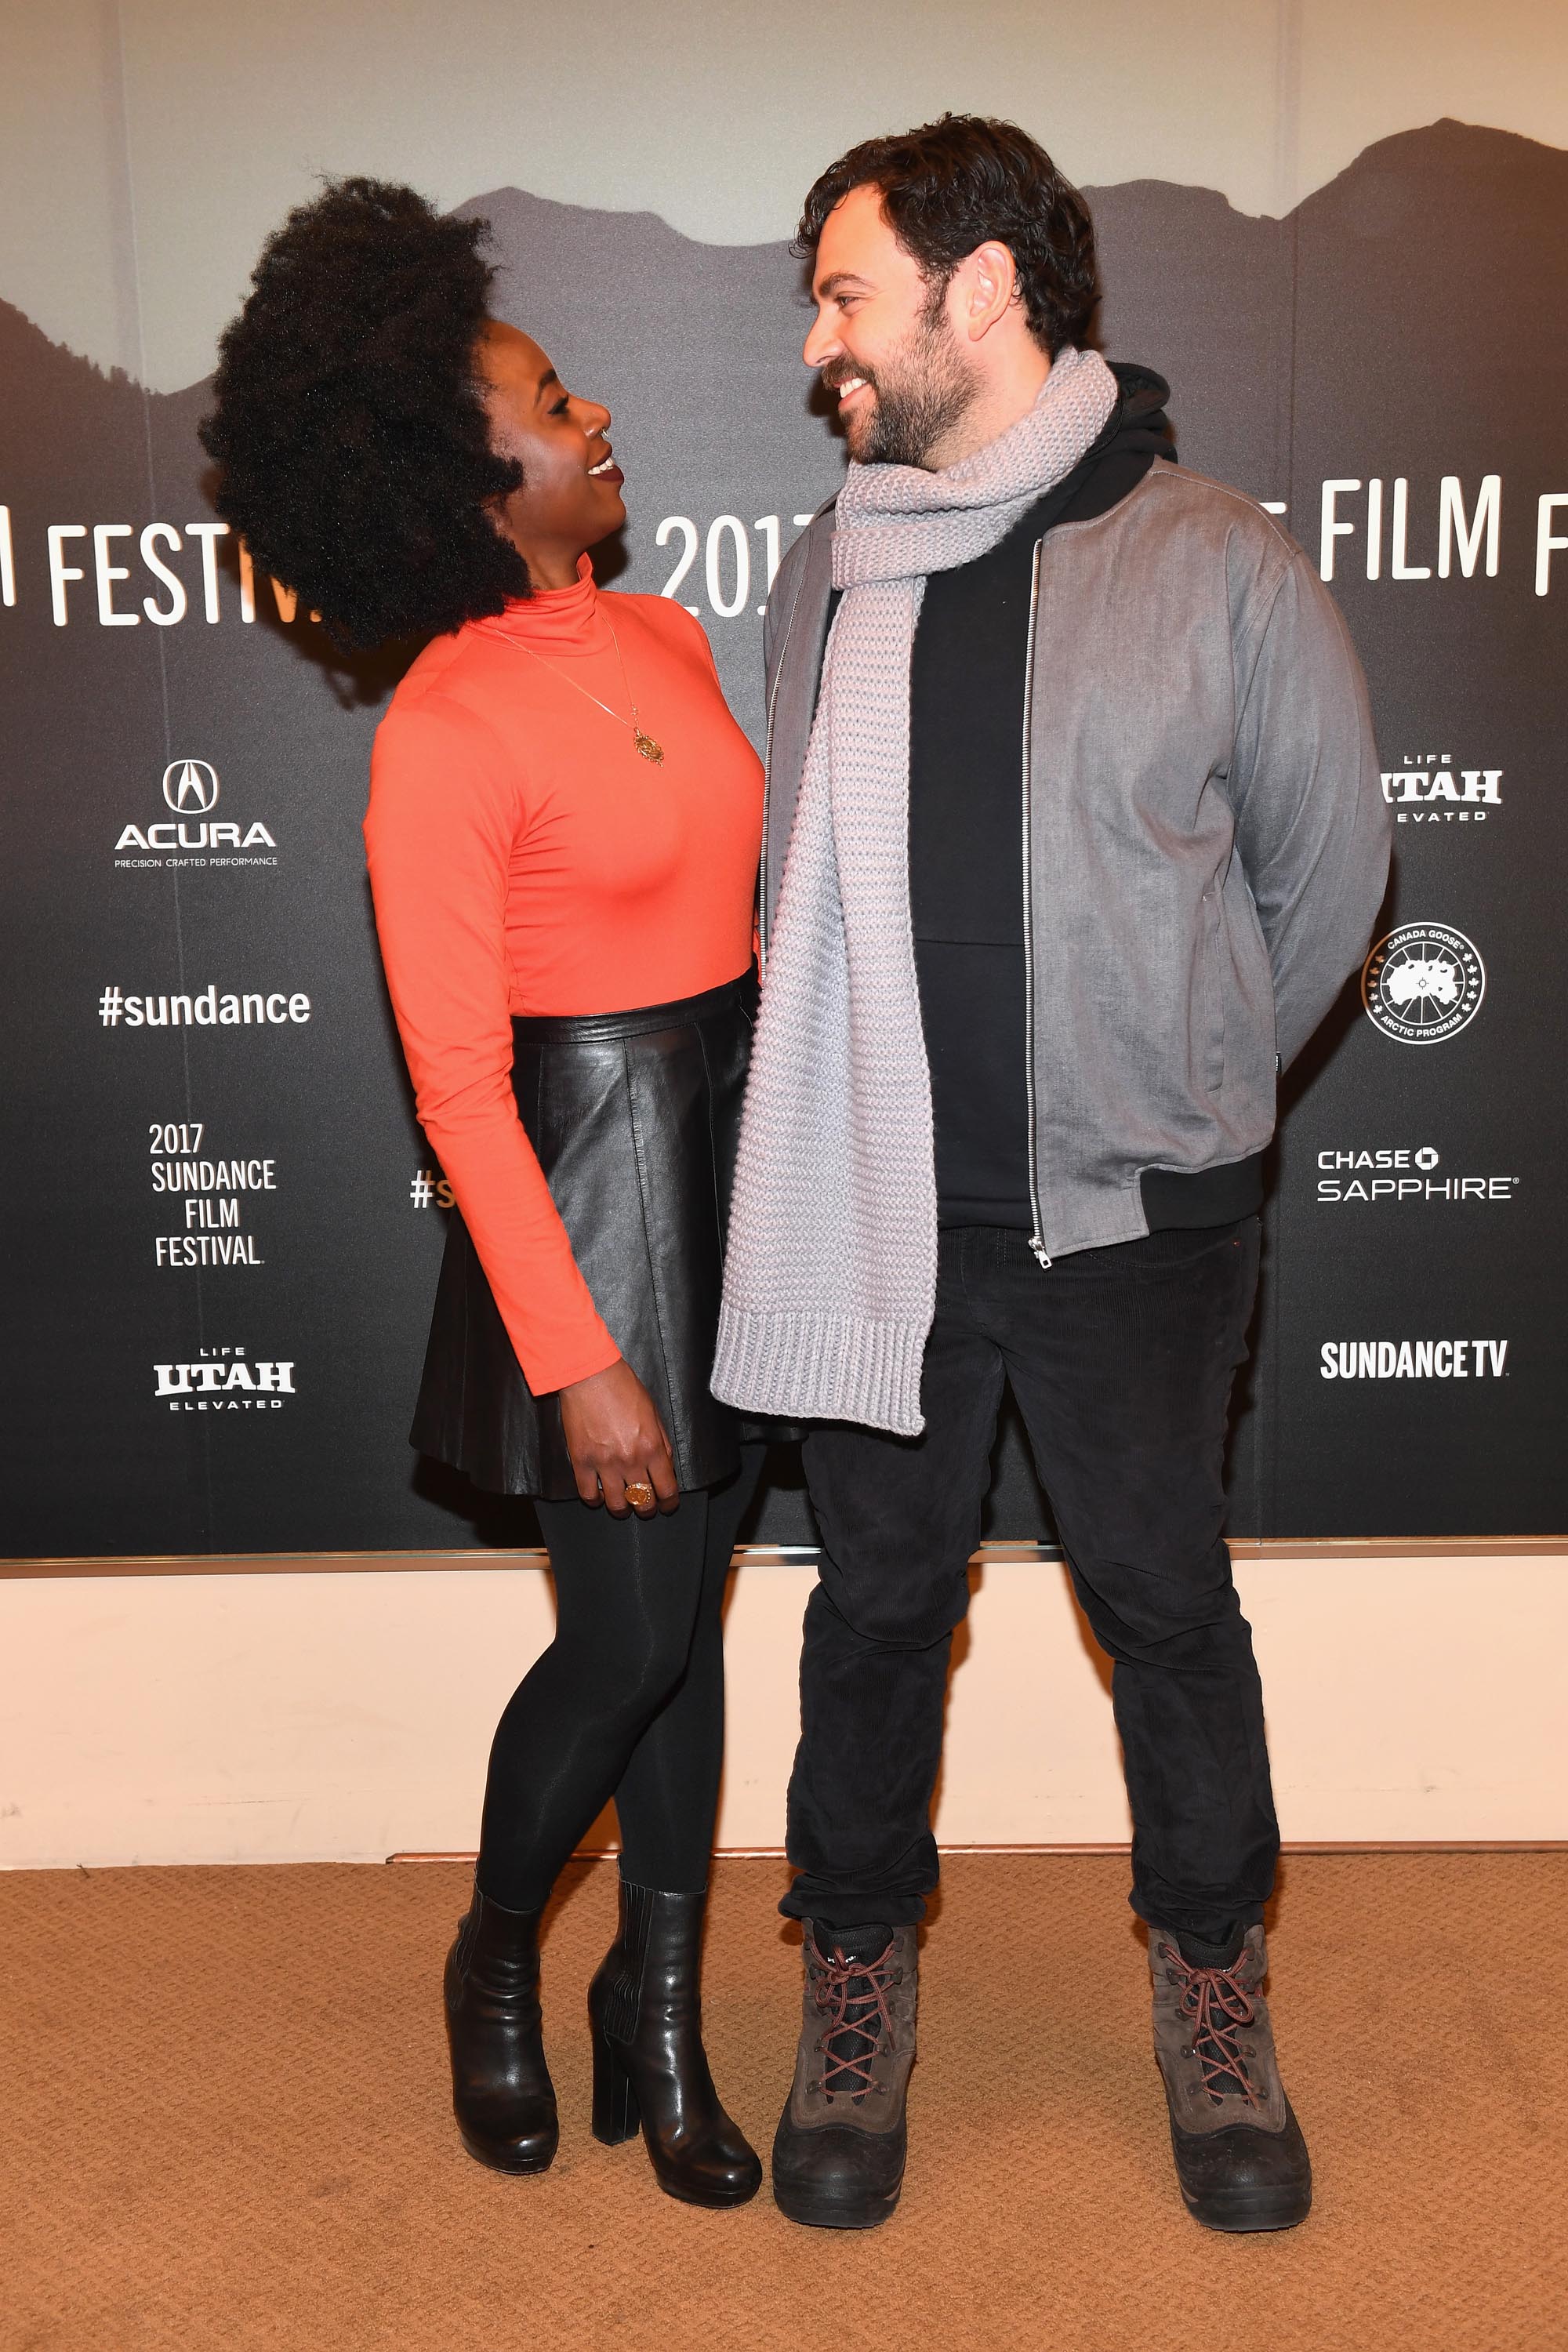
<point x="1240" y="2157"/>
<point x="838" y="2154"/>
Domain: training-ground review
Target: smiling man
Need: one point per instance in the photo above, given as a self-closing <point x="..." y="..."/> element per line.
<point x="1070" y="757"/>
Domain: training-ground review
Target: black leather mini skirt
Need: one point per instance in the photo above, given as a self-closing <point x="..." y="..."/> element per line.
<point x="636" y="1118"/>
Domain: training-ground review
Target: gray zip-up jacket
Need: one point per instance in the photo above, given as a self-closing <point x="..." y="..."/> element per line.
<point x="1206" y="839"/>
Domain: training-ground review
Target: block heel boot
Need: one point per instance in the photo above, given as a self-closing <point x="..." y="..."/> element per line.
<point x="650" y="2070"/>
<point x="501" y="2092"/>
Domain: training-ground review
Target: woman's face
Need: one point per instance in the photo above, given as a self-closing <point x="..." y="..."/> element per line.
<point x="569" y="497"/>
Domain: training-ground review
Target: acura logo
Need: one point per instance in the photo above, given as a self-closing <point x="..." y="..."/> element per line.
<point x="189" y="784"/>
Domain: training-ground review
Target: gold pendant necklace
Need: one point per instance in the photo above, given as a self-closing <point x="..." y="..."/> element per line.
<point x="645" y="744"/>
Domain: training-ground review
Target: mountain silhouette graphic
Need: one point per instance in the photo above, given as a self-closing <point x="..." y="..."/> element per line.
<point x="1405" y="323"/>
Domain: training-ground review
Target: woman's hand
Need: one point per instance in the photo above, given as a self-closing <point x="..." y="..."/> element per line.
<point x="616" y="1437"/>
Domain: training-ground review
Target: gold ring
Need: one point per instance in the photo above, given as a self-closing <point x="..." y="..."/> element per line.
<point x="639" y="1493"/>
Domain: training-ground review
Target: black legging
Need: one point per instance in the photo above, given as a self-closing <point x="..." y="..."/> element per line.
<point x="628" y="1701"/>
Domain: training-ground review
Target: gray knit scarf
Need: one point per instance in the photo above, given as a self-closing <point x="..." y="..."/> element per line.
<point x="830" y="1282"/>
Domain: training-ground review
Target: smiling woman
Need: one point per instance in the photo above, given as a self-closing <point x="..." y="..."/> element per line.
<point x="568" y="493"/>
<point x="563" y="838"/>
<point x="354" y="451"/>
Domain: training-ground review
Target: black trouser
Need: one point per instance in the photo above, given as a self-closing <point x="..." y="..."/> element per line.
<point x="1121" y="1362"/>
<point x="628" y="1701"/>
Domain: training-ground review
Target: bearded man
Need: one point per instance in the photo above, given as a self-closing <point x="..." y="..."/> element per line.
<point x="1070" y="756"/>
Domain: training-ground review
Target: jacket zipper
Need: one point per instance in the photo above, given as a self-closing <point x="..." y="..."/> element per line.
<point x="1035" y="1242"/>
<point x="767" y="782"/>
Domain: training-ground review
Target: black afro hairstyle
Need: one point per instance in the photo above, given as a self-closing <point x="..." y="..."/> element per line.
<point x="352" y="445"/>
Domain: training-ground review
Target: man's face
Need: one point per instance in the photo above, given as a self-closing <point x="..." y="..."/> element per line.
<point x="881" y="341"/>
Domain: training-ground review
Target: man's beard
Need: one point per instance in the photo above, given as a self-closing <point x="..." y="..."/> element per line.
<point x="918" y="404"/>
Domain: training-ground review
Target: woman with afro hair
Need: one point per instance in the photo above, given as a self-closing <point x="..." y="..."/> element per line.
<point x="563" y="838"/>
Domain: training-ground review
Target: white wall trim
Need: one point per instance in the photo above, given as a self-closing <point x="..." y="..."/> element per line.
<point x="344" y="1713"/>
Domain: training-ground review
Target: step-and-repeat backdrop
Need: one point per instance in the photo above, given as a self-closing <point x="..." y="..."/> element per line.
<point x="223" y="1224"/>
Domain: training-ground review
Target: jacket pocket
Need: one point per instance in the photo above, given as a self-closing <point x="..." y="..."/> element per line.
<point x="1212" y="1004"/>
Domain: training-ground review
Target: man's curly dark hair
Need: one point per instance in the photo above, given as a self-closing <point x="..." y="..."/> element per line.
<point x="353" y="447"/>
<point x="952" y="184"/>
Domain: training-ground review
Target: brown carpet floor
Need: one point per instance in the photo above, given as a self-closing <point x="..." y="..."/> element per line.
<point x="223" y="2128"/>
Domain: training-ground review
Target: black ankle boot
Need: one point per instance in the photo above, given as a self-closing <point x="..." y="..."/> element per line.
<point x="501" y="2092"/>
<point x="649" y="2066"/>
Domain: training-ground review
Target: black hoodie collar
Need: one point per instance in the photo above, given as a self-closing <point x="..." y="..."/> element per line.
<point x="1136" y="432"/>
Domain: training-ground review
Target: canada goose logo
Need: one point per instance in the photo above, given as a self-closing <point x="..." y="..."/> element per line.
<point x="1423" y="983"/>
<point x="189" y="784"/>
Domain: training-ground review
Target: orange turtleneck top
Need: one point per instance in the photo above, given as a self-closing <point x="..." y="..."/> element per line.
<point x="524" y="858"/>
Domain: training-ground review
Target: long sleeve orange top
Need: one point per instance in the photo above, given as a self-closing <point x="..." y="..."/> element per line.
<point x="525" y="858"/>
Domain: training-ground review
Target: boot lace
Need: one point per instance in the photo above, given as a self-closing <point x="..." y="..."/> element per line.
<point x="1218" y="2007"/>
<point x="852" y="1996"/>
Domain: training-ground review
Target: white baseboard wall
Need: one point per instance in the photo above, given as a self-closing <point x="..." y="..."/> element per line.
<point x="317" y="1713"/>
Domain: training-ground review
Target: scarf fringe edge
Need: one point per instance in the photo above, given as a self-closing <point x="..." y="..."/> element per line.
<point x="821" y="1364"/>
